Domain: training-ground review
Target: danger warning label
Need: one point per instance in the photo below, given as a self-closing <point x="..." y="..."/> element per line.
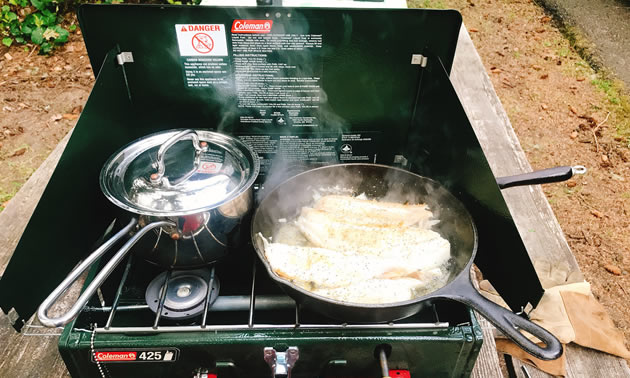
<point x="201" y="40"/>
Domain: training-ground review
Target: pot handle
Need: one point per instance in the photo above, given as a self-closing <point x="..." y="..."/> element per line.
<point x="157" y="178"/>
<point x="100" y="277"/>
<point x="543" y="176"/>
<point x="506" y="321"/>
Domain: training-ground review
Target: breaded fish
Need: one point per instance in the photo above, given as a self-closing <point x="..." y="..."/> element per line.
<point x="421" y="248"/>
<point x="373" y="213"/>
<point x="322" y="268"/>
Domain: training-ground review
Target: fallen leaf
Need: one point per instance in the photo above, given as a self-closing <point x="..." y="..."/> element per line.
<point x="617" y="177"/>
<point x="473" y="30"/>
<point x="495" y="70"/>
<point x="597" y="213"/>
<point x="536" y="67"/>
<point x="614" y="269"/>
<point x="50" y="34"/>
<point x="539" y="30"/>
<point x="77" y="109"/>
<point x="580" y="78"/>
<point x="19" y="152"/>
<point x="8" y="56"/>
<point x="507" y="82"/>
<point x="544" y="106"/>
<point x="572" y="109"/>
<point x="590" y="119"/>
<point x="56" y="117"/>
<point x="571" y="184"/>
<point x="574" y="135"/>
<point x="545" y="19"/>
<point x="70" y="116"/>
<point x="544" y="76"/>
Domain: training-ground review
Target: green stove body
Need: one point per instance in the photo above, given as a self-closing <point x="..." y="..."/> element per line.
<point x="302" y="87"/>
<point x="442" y="341"/>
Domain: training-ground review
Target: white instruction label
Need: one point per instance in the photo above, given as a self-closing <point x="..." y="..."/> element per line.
<point x="201" y="39"/>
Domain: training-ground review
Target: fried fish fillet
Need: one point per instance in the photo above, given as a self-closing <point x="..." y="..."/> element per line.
<point x="375" y="291"/>
<point x="312" y="267"/>
<point x="373" y="213"/>
<point x="421" y="248"/>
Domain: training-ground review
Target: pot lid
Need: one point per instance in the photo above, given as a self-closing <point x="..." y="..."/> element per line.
<point x="178" y="172"/>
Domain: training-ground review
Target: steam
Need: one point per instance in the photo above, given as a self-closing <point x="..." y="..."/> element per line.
<point x="372" y="182"/>
<point x="375" y="182"/>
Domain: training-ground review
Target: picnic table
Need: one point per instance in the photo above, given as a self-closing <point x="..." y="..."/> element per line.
<point x="25" y="355"/>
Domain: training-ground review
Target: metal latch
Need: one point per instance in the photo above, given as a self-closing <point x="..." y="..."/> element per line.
<point x="419" y="59"/>
<point x="124" y="57"/>
<point x="281" y="363"/>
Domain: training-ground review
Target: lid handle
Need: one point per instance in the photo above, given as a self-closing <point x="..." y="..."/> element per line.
<point x="157" y="178"/>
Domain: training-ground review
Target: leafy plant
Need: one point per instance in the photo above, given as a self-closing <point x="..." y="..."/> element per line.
<point x="34" y="21"/>
<point x="39" y="21"/>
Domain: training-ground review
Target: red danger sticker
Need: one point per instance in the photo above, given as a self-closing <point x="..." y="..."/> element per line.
<point x="252" y="26"/>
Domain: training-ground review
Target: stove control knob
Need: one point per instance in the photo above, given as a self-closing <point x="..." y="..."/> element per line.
<point x="281" y="363"/>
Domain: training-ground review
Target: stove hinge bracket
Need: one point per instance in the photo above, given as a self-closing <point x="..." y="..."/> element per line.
<point x="124" y="57"/>
<point x="281" y="363"/>
<point x="419" y="59"/>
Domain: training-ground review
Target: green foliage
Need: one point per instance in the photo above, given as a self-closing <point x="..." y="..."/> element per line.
<point x="39" y="21"/>
<point x="34" y="21"/>
<point x="608" y="87"/>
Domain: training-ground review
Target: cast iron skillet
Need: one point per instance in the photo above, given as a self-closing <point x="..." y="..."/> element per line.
<point x="397" y="185"/>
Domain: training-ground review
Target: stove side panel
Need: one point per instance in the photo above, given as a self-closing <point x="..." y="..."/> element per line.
<point x="72" y="215"/>
<point x="442" y="144"/>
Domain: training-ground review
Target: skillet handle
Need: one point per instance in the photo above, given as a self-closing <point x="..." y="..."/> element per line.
<point x="507" y="321"/>
<point x="543" y="176"/>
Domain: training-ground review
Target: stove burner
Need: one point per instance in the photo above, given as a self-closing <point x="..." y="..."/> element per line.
<point x="185" y="295"/>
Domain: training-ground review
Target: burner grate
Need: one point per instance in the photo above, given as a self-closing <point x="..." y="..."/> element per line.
<point x="254" y="303"/>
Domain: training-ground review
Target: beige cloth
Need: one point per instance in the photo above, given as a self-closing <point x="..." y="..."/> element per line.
<point x="570" y="312"/>
<point x="554" y="367"/>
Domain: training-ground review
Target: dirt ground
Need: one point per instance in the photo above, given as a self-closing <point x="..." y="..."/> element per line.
<point x="40" y="100"/>
<point x="564" y="114"/>
<point x="557" y="104"/>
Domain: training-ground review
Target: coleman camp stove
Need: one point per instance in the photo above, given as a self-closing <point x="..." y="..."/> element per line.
<point x="302" y="87"/>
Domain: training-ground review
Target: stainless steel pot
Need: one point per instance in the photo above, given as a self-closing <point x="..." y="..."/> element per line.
<point x="191" y="197"/>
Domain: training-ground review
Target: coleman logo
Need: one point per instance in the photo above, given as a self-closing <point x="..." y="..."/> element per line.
<point x="252" y="26"/>
<point x="116" y="356"/>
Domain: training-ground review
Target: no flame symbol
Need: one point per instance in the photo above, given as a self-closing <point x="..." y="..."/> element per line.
<point x="202" y="43"/>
